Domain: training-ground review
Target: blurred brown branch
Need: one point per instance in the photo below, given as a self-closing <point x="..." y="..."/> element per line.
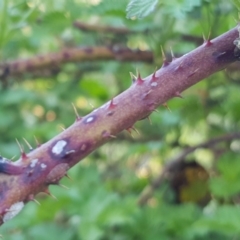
<point x="54" y="60"/>
<point x="101" y="29"/>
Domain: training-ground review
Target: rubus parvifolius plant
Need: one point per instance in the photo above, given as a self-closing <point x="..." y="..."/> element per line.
<point x="46" y="165"/>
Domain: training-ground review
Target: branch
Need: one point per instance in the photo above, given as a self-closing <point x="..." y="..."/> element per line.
<point x="102" y="29"/>
<point x="124" y="31"/>
<point x="73" y="55"/>
<point x="173" y="164"/>
<point x="34" y="172"/>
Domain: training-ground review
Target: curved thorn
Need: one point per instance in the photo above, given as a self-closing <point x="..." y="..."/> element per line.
<point x="36" y="201"/>
<point x="133" y="77"/>
<point x="172" y="54"/>
<point x="91" y="105"/>
<point x="67" y="176"/>
<point x="37" y="142"/>
<point x="165" y="62"/>
<point x="149" y="120"/>
<point x="76" y="113"/>
<point x="63" y="186"/>
<point x="62" y="128"/>
<point x="28" y="144"/>
<point x="166" y="106"/>
<point x="50" y="194"/>
<point x="154" y="78"/>
<point x="23" y="154"/>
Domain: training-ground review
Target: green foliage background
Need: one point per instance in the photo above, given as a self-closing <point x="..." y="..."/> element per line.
<point x="101" y="203"/>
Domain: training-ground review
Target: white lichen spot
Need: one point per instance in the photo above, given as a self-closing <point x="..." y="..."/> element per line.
<point x="154" y="84"/>
<point x="13" y="211"/>
<point x="70" y="152"/>
<point x="58" y="147"/>
<point x="90" y="119"/>
<point x="33" y="163"/>
<point x="43" y="165"/>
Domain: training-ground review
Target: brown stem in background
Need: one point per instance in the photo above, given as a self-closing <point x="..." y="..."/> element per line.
<point x="102" y="29"/>
<point x="194" y="39"/>
<point x="54" y="60"/>
<point x="47" y="164"/>
<point x="123" y="31"/>
<point x="173" y="164"/>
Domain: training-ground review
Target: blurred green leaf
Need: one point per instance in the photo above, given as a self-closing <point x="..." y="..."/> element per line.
<point x="140" y="8"/>
<point x="227" y="185"/>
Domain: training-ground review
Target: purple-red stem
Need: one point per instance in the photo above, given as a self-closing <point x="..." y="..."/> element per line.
<point x="49" y="163"/>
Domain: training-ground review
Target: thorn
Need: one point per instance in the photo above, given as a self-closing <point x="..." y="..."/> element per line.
<point x="37" y="142"/>
<point x="149" y="120"/>
<point x="178" y="94"/>
<point x="111" y="105"/>
<point x="236" y="21"/>
<point x="36" y="201"/>
<point x="106" y="134"/>
<point x="154" y="78"/>
<point x="90" y="104"/>
<point x="139" y="79"/>
<point x="172" y="54"/>
<point x="51" y="195"/>
<point x="204" y="38"/>
<point x="209" y="34"/>
<point x="62" y="128"/>
<point x="78" y="118"/>
<point x="166" y="106"/>
<point x="133" y="77"/>
<point x="129" y="131"/>
<point x="63" y="186"/>
<point x="28" y="144"/>
<point x="207" y="41"/>
<point x="67" y="176"/>
<point x="133" y="128"/>
<point x="165" y="62"/>
<point x="163" y="54"/>
<point x="23" y="154"/>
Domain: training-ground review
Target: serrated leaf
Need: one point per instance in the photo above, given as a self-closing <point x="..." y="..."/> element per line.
<point x="140" y="8"/>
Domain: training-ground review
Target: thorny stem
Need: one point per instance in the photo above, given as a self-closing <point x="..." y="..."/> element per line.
<point x="49" y="163"/>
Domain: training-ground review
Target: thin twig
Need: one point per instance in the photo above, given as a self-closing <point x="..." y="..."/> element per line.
<point x="173" y="164"/>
